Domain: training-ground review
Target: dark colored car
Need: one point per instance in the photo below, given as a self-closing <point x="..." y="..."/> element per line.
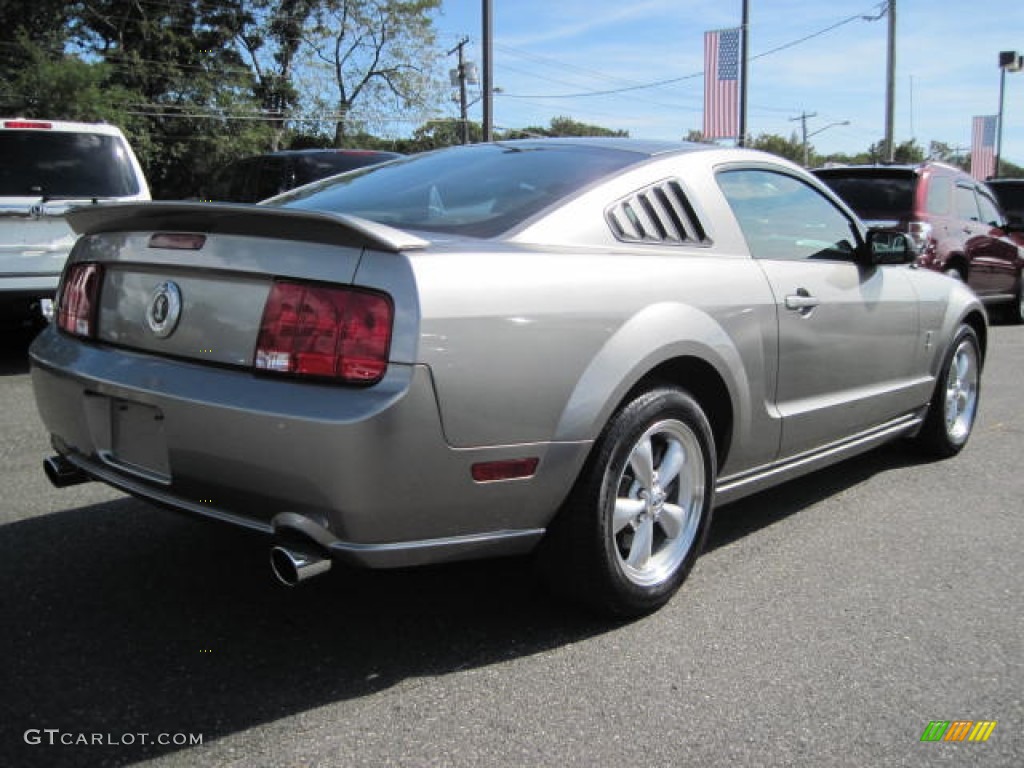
<point x="953" y="220"/>
<point x="256" y="178"/>
<point x="1010" y="193"/>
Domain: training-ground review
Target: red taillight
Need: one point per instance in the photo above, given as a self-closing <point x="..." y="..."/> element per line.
<point x="78" y="302"/>
<point x="316" y="330"/>
<point x="26" y="124"/>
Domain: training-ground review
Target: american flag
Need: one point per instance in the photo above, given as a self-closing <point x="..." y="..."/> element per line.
<point x="983" y="147"/>
<point x="721" y="83"/>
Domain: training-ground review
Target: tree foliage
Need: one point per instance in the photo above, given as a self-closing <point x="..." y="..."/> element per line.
<point x="374" y="50"/>
<point x="198" y="83"/>
<point x="565" y="126"/>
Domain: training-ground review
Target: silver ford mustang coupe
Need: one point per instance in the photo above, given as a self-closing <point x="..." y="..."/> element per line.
<point x="573" y="347"/>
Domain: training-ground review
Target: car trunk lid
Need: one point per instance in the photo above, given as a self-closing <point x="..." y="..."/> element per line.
<point x="212" y="267"/>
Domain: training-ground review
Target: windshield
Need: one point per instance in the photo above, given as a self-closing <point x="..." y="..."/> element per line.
<point x="875" y="196"/>
<point x="56" y="164"/>
<point x="481" y="190"/>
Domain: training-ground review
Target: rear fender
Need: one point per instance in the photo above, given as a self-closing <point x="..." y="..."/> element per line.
<point x="655" y="335"/>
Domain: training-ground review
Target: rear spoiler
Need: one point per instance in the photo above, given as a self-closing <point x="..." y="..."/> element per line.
<point x="235" y="219"/>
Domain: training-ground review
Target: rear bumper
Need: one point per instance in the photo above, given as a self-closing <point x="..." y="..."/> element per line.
<point x="369" y="469"/>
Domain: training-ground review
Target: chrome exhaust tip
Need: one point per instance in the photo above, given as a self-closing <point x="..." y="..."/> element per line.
<point x="62" y="473"/>
<point x="291" y="566"/>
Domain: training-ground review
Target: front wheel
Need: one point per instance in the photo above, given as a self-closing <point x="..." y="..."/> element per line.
<point x="954" y="405"/>
<point x="1015" y="311"/>
<point x="640" y="511"/>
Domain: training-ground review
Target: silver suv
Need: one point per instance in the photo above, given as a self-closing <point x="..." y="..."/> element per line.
<point x="47" y="167"/>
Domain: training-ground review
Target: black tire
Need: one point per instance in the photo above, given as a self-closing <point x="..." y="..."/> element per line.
<point x="954" y="405"/>
<point x="1015" y="311"/>
<point x="624" y="542"/>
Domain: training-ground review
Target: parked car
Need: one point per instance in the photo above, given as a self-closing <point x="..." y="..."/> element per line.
<point x="256" y="178"/>
<point x="46" y="167"/>
<point x="573" y="347"/>
<point x="953" y="220"/>
<point x="1010" y="194"/>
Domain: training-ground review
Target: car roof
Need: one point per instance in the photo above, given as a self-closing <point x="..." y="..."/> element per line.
<point x="639" y="146"/>
<point x="60" y="126"/>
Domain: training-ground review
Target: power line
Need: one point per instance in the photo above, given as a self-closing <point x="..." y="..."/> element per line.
<point x="691" y="76"/>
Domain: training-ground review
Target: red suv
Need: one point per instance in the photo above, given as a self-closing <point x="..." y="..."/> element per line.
<point x="953" y="220"/>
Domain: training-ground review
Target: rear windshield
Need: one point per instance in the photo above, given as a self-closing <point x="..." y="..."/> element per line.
<point x="874" y="196"/>
<point x="481" y="190"/>
<point x="1011" y="197"/>
<point x="69" y="165"/>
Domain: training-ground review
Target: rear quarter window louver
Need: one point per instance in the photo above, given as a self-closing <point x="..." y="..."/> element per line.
<point x="658" y="214"/>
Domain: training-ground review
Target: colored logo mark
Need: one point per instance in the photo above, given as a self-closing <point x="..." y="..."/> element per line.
<point x="958" y="730"/>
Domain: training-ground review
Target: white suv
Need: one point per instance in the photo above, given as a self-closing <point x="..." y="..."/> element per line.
<point x="47" y="167"/>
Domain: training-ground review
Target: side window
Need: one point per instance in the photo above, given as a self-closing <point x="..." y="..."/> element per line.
<point x="940" y="195"/>
<point x="990" y="213"/>
<point x="271" y="178"/>
<point x="783" y="218"/>
<point x="966" y="203"/>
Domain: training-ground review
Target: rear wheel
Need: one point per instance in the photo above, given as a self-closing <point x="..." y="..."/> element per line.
<point x="954" y="404"/>
<point x="1015" y="311"/>
<point x="638" y="516"/>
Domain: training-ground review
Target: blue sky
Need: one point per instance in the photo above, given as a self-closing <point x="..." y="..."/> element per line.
<point x="946" y="65"/>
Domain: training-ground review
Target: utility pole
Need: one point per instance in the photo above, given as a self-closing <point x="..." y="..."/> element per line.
<point x="744" y="51"/>
<point x="1009" y="61"/>
<point x="890" y="85"/>
<point x="460" y="76"/>
<point x="488" y="59"/>
<point x="803" y="130"/>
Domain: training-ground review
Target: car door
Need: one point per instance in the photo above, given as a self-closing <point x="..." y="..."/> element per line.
<point x="847" y="333"/>
<point x="988" y="253"/>
<point x="1002" y="258"/>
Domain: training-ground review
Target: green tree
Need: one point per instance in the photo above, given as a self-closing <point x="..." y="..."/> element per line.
<point x="791" y="148"/>
<point x="946" y="153"/>
<point x="63" y="87"/>
<point x="1010" y="170"/>
<point x="435" y="134"/>
<point x="194" y="97"/>
<point x="380" y="55"/>
<point x="270" y="35"/>
<point x="42" y="23"/>
<point x="565" y="126"/>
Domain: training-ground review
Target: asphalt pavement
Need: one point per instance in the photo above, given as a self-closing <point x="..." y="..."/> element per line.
<point x="829" y="622"/>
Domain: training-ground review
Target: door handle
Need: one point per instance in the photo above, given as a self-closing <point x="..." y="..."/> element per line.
<point x="802" y="301"/>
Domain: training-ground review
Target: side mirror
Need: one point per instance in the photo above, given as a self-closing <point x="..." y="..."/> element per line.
<point x="887" y="246"/>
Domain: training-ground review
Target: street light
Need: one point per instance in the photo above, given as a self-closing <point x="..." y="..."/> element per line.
<point x="1009" y="61"/>
<point x="815" y="133"/>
